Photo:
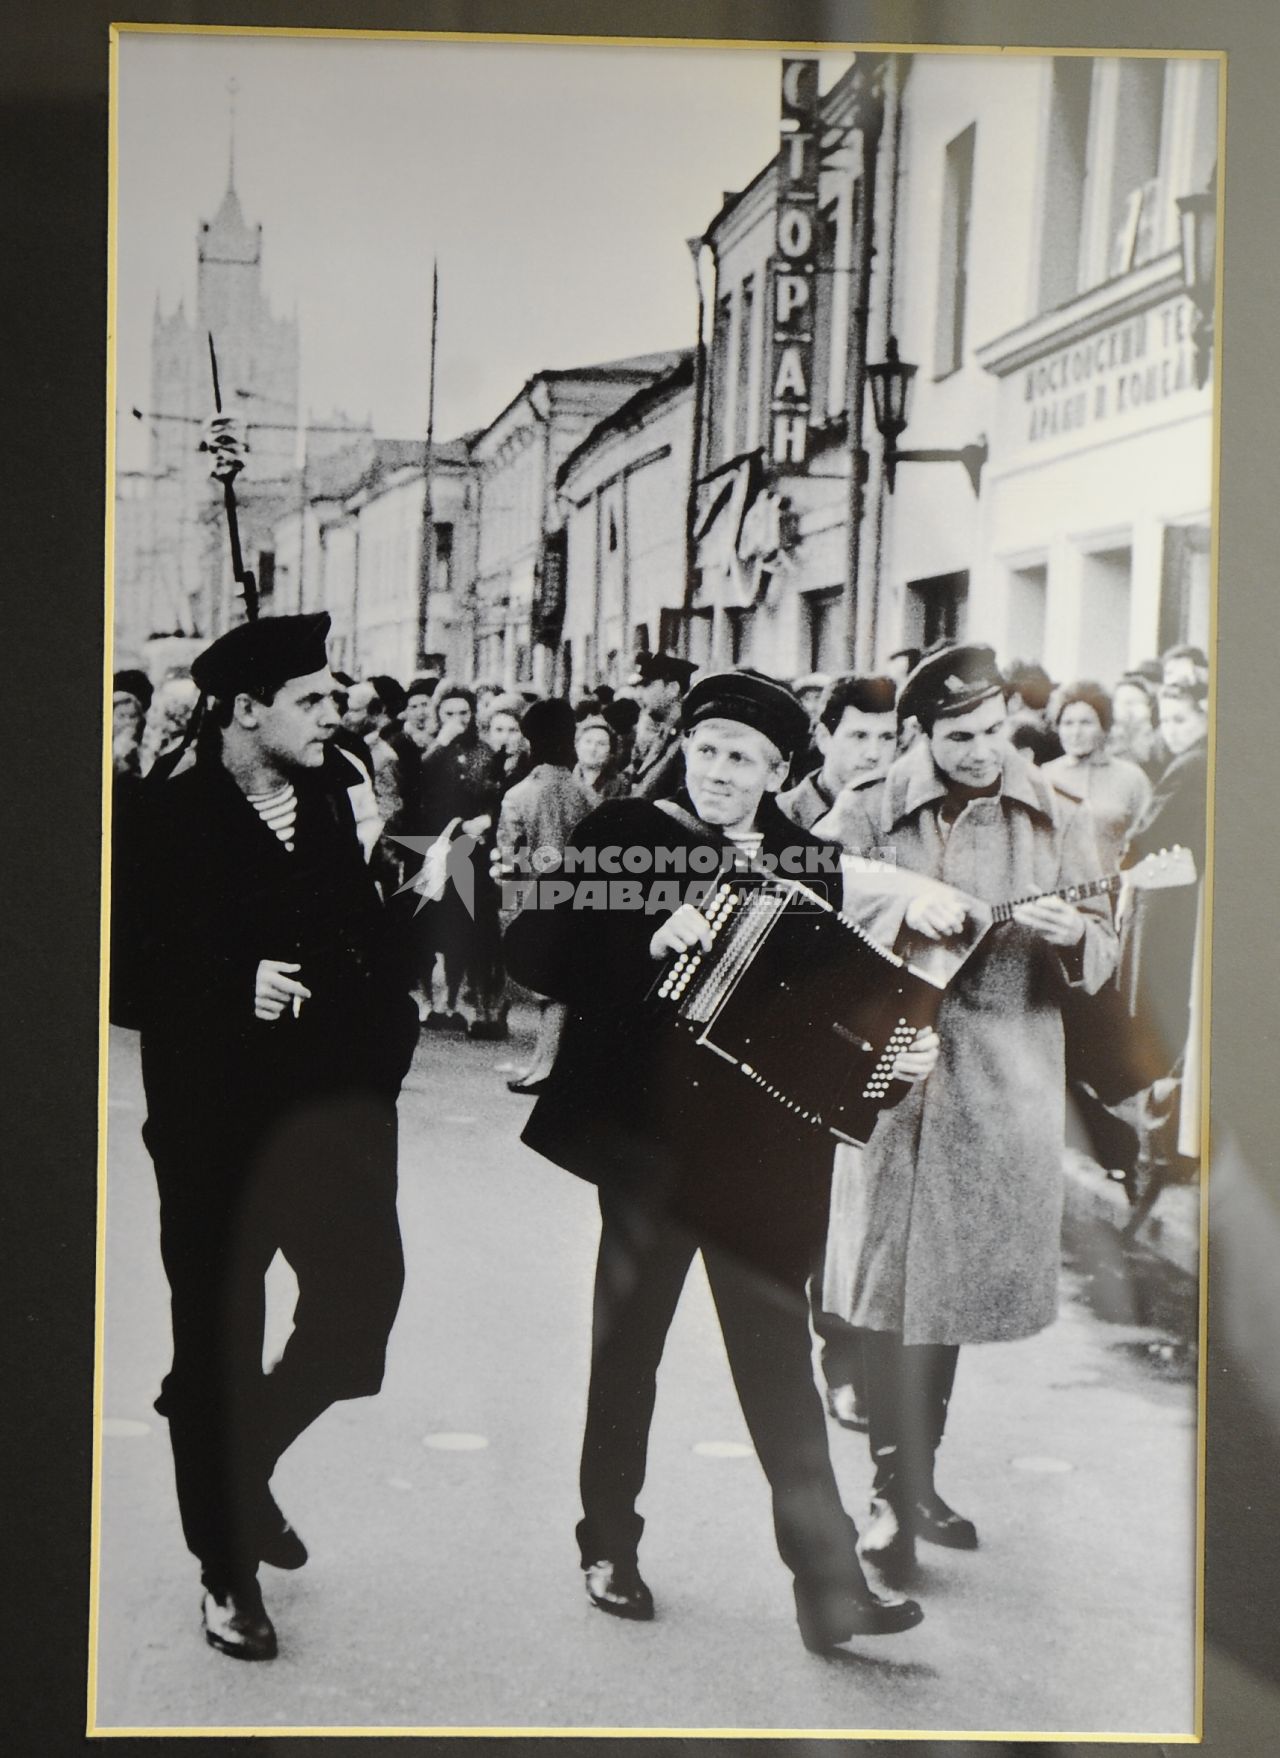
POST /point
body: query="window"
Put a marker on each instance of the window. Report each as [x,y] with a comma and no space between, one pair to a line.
[953,255]
[742,382]
[1184,587]
[670,627]
[824,630]
[1070,103]
[1103,646]
[442,577]
[1134,209]
[719,395]
[1028,597]
[935,609]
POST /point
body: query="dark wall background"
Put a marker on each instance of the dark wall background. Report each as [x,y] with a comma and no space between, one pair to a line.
[53,187]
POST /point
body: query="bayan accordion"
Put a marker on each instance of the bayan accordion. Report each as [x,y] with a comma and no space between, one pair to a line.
[801,1001]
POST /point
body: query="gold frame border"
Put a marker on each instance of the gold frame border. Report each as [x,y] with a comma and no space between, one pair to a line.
[767,45]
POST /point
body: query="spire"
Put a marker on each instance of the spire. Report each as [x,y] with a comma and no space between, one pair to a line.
[232,89]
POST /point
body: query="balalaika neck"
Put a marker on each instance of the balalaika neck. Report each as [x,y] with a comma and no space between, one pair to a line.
[1003,912]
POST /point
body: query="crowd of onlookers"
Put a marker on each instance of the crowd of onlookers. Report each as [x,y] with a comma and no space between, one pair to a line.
[514,772]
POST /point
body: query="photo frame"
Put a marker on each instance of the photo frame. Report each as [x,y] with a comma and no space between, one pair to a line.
[1062,1730]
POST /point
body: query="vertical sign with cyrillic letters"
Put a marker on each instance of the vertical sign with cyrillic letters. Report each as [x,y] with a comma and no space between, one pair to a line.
[793,269]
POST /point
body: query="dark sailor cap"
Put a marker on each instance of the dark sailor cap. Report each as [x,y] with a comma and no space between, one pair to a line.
[260,656]
[662,668]
[951,681]
[753,699]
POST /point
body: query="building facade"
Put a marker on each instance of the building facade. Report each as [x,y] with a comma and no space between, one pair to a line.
[623,494]
[520,563]
[352,545]
[1016,220]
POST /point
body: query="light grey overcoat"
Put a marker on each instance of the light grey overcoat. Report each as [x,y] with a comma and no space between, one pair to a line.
[946,1226]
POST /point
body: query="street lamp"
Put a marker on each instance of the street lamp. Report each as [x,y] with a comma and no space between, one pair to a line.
[890,393]
[1198,234]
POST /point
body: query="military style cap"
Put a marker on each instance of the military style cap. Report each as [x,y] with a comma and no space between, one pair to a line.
[663,668]
[950,682]
[753,699]
[260,656]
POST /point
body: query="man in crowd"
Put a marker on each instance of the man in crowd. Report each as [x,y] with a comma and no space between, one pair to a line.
[661,680]
[1186,665]
[857,735]
[276,1030]
[856,732]
[947,1229]
[1028,728]
[368,717]
[689,1156]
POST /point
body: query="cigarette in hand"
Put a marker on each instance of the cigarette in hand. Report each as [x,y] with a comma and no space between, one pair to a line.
[297,1006]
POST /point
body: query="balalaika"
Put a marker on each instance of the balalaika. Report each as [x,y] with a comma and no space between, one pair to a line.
[802,1002]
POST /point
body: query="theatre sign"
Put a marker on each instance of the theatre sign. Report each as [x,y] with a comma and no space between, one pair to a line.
[1112,363]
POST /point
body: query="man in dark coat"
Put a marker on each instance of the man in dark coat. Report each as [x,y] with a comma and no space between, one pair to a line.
[689,1156]
[276,1028]
[662,679]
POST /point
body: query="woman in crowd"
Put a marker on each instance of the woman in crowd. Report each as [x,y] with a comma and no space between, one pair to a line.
[459,783]
[539,814]
[1133,732]
[417,721]
[168,718]
[1115,790]
[504,738]
[1163,940]
[595,745]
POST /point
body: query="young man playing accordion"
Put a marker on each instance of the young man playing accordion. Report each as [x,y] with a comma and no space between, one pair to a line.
[689,1156]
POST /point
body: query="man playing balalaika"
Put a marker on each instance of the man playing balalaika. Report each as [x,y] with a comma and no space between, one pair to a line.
[946,1229]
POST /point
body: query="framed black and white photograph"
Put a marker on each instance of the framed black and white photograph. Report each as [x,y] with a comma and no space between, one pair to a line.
[662,626]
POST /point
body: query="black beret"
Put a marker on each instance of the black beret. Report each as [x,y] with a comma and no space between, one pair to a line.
[753,699]
[663,668]
[134,683]
[258,657]
[951,681]
[549,717]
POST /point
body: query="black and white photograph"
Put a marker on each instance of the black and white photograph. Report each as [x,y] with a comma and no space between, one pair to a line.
[662,606]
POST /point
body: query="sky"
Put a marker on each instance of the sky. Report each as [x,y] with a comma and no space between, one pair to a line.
[554,184]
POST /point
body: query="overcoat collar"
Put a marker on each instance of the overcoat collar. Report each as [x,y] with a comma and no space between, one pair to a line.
[913,783]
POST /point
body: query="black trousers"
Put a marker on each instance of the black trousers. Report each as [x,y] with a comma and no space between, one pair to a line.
[642,1265]
[908,1391]
[320,1188]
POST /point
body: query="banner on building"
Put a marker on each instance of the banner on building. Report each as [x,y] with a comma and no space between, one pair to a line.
[793,296]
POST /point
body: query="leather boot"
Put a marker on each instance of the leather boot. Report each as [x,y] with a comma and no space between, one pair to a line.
[830,1612]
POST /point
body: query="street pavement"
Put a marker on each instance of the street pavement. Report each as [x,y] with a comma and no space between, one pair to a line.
[443,1590]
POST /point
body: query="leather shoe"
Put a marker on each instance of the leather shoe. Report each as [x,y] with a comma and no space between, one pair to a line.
[831,1614]
[236,1622]
[618,1589]
[280,1546]
[936,1523]
[845,1407]
[888,1540]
